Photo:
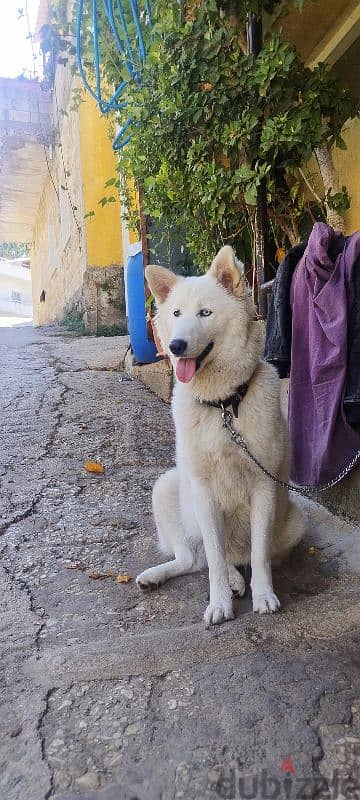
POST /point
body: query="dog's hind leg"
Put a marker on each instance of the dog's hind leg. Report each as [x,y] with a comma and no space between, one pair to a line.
[236,580]
[171,533]
[289,533]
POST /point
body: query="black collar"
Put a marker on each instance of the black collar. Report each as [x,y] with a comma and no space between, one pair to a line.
[234,400]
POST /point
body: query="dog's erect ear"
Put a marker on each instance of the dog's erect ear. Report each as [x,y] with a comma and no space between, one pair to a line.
[160,281]
[227,270]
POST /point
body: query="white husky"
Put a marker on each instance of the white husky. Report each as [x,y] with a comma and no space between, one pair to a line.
[216,502]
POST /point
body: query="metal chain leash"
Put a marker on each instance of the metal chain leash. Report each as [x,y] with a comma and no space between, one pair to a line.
[227,418]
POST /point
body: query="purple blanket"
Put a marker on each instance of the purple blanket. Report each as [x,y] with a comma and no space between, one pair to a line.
[321,296]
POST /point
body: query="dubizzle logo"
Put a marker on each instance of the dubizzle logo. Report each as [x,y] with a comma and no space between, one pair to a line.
[235,785]
[287,766]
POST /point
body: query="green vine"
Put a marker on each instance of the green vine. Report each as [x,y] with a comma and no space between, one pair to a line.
[115,303]
[210,122]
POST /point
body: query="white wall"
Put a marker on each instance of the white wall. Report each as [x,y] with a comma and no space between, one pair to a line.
[15,290]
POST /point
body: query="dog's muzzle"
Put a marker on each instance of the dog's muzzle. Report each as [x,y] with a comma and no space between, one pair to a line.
[178,347]
[187,367]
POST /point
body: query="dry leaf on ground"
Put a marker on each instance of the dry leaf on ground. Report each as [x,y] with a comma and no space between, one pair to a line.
[94,466]
[100,576]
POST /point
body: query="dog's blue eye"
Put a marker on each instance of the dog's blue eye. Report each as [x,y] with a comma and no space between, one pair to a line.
[177,312]
[205,312]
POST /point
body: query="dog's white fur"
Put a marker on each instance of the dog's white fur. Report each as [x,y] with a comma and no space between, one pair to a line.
[216,505]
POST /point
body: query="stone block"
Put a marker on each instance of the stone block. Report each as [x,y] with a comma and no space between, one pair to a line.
[104,298]
[344,498]
[157,377]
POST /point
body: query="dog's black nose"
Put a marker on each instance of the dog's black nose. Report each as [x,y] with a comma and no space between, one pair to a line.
[178,346]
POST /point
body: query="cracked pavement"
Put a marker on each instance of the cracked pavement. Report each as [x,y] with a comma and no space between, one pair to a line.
[109,694]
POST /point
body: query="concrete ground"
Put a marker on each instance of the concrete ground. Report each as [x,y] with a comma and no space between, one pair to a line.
[109,694]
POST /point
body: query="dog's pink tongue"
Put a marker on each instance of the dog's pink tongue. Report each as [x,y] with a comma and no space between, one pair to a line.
[185,369]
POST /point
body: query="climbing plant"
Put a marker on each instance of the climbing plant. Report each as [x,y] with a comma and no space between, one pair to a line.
[209,122]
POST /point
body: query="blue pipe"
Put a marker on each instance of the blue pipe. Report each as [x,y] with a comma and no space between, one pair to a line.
[125,48]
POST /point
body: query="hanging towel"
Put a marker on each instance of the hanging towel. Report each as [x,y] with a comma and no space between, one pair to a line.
[322,296]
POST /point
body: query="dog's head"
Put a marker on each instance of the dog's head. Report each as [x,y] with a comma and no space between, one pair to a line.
[200,319]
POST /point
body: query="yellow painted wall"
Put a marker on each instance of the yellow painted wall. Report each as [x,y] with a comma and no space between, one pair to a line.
[57,263]
[45,277]
[58,257]
[64,245]
[335,30]
[98,164]
[347,162]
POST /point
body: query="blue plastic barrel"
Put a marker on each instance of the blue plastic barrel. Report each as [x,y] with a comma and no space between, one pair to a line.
[143,349]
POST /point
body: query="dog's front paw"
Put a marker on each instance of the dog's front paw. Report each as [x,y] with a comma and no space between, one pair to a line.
[151,578]
[265,602]
[218,612]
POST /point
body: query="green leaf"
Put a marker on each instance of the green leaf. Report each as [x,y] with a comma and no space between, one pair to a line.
[340,143]
[340,201]
[210,122]
[250,196]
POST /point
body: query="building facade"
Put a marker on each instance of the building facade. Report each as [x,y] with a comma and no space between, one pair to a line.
[55,157]
[77,250]
[15,289]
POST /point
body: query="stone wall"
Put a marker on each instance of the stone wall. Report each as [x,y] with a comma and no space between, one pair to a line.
[25,111]
[58,258]
[77,263]
[25,133]
[343,499]
[104,298]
